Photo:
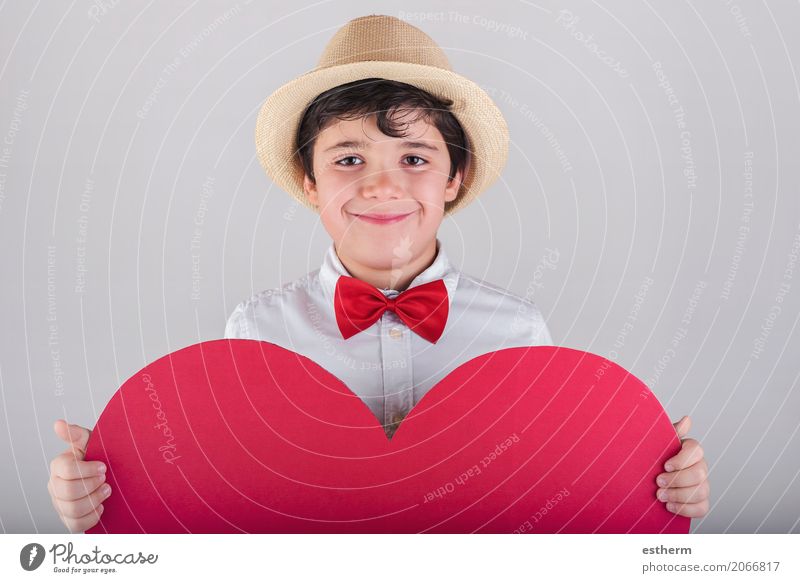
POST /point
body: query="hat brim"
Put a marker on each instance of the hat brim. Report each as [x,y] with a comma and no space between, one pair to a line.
[482,121]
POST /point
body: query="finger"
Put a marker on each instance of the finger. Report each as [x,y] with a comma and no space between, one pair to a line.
[682,426]
[691,452]
[691,476]
[689,495]
[75,434]
[690,510]
[84,523]
[74,453]
[73,489]
[68,467]
[83,506]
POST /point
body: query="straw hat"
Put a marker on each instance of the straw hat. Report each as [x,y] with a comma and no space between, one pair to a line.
[388,48]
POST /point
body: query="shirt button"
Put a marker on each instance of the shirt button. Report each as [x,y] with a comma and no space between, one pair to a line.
[396,333]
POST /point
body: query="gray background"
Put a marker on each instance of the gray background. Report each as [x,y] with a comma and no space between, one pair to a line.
[126,131]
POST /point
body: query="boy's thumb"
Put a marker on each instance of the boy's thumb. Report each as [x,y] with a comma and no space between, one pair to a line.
[683,425]
[74,434]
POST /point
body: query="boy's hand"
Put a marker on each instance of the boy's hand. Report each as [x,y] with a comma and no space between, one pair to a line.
[684,486]
[76,487]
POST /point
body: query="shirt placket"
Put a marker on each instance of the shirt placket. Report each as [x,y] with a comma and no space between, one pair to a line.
[398,386]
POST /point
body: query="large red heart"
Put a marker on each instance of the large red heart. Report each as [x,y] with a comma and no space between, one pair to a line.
[245,436]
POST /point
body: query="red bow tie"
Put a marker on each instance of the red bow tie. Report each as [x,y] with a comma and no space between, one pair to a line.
[423,308]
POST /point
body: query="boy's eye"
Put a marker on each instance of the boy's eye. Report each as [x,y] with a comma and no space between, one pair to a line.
[339,162]
[413,161]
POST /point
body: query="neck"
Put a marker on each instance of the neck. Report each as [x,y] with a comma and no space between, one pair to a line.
[396,278]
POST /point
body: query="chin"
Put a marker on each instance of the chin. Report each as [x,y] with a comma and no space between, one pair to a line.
[390,251]
[379,258]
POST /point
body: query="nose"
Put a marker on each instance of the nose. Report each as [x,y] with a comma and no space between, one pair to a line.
[381,185]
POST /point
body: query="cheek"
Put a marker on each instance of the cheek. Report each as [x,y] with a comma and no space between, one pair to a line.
[431,190]
[335,220]
[333,179]
[331,196]
[433,206]
[332,220]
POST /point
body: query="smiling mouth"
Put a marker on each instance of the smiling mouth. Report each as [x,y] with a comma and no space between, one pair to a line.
[382,219]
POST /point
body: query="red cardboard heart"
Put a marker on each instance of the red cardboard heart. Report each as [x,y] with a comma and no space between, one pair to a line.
[244,436]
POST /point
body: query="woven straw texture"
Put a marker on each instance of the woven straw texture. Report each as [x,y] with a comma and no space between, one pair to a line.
[389,48]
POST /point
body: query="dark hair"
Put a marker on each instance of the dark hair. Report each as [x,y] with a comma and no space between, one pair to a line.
[383,98]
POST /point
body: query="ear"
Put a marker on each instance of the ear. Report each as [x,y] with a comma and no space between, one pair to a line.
[453,186]
[310,189]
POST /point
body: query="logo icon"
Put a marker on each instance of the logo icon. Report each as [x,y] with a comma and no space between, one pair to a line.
[31,556]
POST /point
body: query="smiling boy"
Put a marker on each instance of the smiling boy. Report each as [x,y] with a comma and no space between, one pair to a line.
[382,199]
[383,140]
[382,161]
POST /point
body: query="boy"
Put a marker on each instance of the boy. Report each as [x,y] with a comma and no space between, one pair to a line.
[382,161]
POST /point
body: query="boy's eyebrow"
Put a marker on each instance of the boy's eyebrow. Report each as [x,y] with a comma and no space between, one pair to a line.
[363,145]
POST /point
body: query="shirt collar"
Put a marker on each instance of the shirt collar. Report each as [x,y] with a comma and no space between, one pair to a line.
[441,268]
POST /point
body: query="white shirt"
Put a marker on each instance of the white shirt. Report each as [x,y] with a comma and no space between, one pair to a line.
[387,365]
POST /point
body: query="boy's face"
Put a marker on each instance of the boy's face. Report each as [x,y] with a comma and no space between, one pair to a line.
[381,199]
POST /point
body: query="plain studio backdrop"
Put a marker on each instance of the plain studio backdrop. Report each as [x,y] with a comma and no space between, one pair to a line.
[649,206]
